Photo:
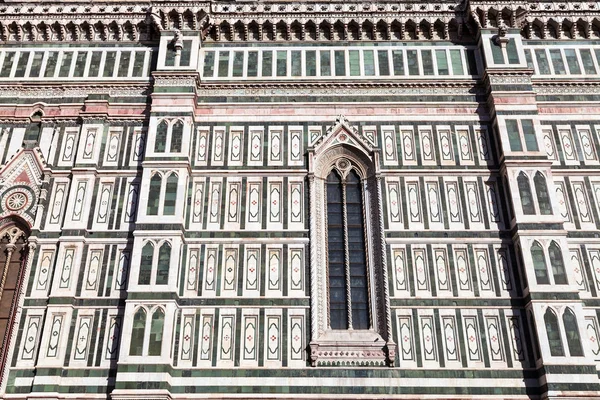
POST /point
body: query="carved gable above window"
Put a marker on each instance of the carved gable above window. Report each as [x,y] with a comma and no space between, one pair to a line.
[20,183]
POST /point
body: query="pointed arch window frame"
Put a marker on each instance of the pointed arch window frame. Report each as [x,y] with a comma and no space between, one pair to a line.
[156,266]
[159,206]
[146,329]
[167,139]
[327,346]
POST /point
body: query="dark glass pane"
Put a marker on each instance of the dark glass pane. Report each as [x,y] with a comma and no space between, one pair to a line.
[471,63]
[170,195]
[253,63]
[572,331]
[238,64]
[427,60]
[95,64]
[412,62]
[164,259]
[146,264]
[311,63]
[22,64]
[384,62]
[369,63]
[51,63]
[80,64]
[109,64]
[9,59]
[572,62]
[354,61]
[282,63]
[442,62]
[154,195]
[325,63]
[525,194]
[36,65]
[553,332]
[457,65]
[161,137]
[358,265]
[296,63]
[542,62]
[156,333]
[539,264]
[335,241]
[223,64]
[138,64]
[514,138]
[529,59]
[340,63]
[497,54]
[557,264]
[542,194]
[588,62]
[123,70]
[176,137]
[209,64]
[267,63]
[511,52]
[137,333]
[186,53]
[529,135]
[557,62]
[170,56]
[398,61]
[65,65]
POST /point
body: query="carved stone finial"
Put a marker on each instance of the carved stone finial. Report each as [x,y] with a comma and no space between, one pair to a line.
[500,39]
[176,41]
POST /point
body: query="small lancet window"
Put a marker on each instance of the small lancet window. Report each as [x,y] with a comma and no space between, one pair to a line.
[136,346]
[176,137]
[539,264]
[154,194]
[525,194]
[542,194]
[553,332]
[164,259]
[146,264]
[347,260]
[572,331]
[161,137]
[557,264]
[170,195]
[156,333]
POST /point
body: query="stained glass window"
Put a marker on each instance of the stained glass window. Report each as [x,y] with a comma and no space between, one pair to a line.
[525,194]
[136,346]
[539,264]
[156,333]
[553,332]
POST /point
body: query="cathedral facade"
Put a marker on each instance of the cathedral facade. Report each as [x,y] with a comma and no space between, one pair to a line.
[299,199]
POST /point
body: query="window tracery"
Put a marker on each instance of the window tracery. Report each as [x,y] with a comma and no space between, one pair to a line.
[351,322]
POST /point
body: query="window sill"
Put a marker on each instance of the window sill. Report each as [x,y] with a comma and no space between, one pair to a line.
[351,348]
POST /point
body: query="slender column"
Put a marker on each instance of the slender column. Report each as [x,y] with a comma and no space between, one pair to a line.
[346,257]
[10,248]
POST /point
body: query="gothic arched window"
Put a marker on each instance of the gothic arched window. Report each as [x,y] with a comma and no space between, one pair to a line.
[161,137]
[553,332]
[525,194]
[176,137]
[154,194]
[572,332]
[136,347]
[347,260]
[349,282]
[557,264]
[170,195]
[146,264]
[156,332]
[539,264]
[164,259]
[542,194]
